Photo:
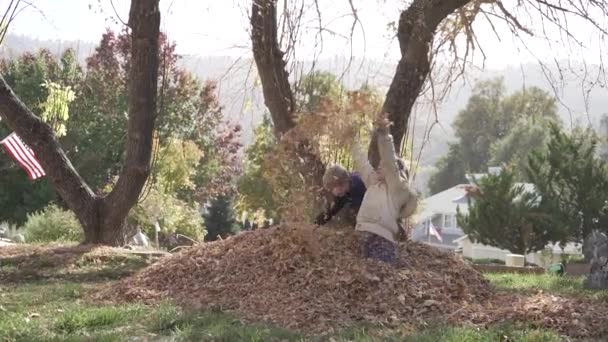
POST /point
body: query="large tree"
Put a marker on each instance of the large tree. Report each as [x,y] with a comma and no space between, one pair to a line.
[278,95]
[491,128]
[187,110]
[102,217]
[425,29]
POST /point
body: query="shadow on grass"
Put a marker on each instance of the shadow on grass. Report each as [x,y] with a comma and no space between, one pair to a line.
[181,325]
[72,264]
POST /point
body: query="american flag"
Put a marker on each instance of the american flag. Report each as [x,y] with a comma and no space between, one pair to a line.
[23,156]
[433,231]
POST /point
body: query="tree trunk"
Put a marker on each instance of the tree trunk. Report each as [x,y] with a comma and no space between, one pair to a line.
[144,21]
[416,31]
[102,218]
[278,95]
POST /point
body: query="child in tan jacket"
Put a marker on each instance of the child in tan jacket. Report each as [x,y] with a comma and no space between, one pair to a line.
[388,198]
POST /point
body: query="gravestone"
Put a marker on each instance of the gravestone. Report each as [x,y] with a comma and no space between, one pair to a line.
[595,249]
[140,239]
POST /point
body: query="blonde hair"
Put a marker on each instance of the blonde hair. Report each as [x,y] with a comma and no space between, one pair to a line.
[334,175]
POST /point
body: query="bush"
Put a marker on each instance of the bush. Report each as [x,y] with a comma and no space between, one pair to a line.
[52,224]
[174,215]
[509,215]
[219,219]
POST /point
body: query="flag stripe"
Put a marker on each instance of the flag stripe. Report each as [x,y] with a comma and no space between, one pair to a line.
[10,149]
[13,154]
[435,232]
[26,155]
[31,156]
[19,155]
[23,155]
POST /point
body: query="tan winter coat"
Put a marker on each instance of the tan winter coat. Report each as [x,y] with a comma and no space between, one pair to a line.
[385,201]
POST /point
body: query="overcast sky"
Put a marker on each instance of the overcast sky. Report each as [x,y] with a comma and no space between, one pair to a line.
[220,27]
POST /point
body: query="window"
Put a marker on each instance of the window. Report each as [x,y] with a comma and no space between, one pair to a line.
[449,221]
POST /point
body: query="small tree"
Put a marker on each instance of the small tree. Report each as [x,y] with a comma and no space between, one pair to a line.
[508,216]
[254,191]
[572,181]
[220,219]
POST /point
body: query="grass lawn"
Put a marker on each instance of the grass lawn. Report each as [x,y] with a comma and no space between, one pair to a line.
[526,283]
[43,298]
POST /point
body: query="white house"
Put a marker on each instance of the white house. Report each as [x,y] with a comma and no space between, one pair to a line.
[440,210]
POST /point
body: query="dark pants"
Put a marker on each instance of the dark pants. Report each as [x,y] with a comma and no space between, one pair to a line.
[378,248]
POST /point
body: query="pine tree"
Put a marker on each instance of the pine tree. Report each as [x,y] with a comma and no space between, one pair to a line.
[508,216]
[572,181]
[220,219]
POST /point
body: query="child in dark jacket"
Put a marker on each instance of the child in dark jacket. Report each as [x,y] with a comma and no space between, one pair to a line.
[347,189]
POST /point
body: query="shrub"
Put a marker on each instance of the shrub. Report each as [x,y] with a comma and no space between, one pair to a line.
[52,224]
[174,215]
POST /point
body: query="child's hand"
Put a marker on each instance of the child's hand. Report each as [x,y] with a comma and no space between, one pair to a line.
[381,122]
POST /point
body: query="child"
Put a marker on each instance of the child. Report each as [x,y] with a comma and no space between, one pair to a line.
[387,201]
[347,188]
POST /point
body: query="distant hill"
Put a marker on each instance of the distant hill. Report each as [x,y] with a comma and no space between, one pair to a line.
[16,45]
[240,94]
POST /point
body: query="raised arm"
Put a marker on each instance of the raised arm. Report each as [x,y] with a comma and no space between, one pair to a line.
[388,158]
[361,163]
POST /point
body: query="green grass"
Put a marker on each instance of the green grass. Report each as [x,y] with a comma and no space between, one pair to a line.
[59,312]
[439,332]
[526,283]
[169,320]
[48,301]
[503,333]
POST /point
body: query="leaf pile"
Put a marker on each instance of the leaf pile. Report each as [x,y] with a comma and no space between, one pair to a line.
[574,317]
[309,279]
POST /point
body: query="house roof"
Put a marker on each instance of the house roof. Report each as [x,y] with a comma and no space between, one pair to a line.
[448,200]
[444,202]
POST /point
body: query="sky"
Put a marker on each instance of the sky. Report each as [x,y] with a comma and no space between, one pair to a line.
[220,27]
